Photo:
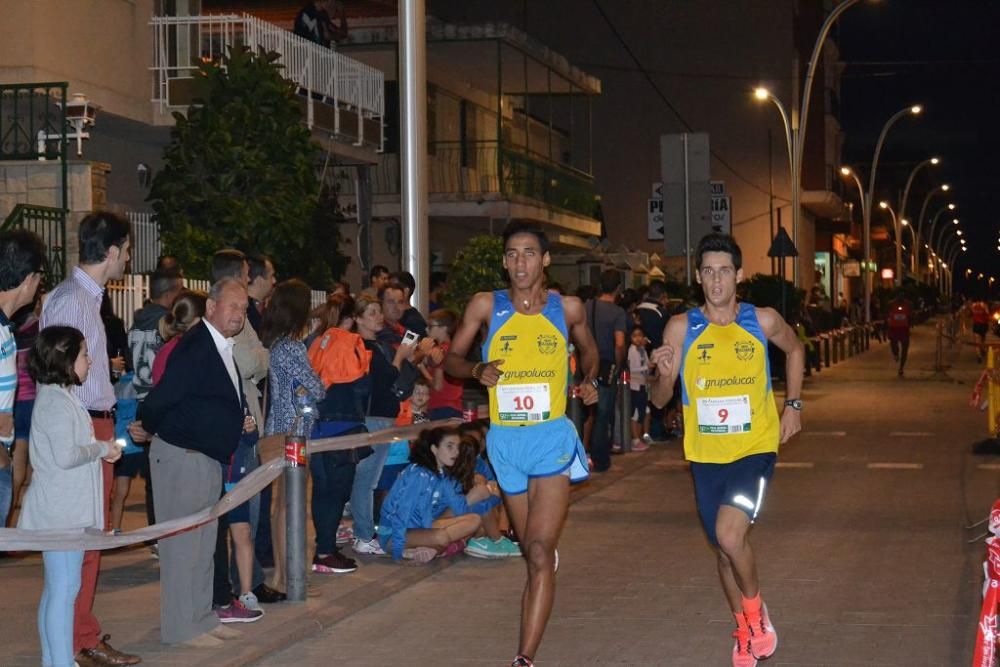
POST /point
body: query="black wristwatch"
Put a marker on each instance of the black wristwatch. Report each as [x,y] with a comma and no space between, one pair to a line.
[794,403]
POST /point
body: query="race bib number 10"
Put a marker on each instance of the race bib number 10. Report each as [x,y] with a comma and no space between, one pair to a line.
[724,416]
[523,402]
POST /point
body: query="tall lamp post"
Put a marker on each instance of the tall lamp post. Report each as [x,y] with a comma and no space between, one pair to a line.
[930,233]
[944,234]
[923,207]
[934,161]
[866,222]
[884,205]
[795,132]
[913,248]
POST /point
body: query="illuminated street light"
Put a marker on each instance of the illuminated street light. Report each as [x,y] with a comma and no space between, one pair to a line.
[897,228]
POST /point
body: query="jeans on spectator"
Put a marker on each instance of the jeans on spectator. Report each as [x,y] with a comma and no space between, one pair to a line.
[332,480]
[600,436]
[366,479]
[263,545]
[55,609]
[6,490]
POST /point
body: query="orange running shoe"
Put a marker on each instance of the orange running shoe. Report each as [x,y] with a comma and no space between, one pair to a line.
[742,657]
[763,639]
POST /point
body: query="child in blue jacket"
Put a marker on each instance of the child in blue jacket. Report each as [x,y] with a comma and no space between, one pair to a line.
[412,526]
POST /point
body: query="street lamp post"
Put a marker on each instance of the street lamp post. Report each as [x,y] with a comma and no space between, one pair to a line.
[913,249]
[930,233]
[866,224]
[914,110]
[934,161]
[795,132]
[944,233]
[884,205]
[923,207]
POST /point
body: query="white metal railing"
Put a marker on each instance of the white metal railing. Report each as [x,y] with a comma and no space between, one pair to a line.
[181,43]
[146,248]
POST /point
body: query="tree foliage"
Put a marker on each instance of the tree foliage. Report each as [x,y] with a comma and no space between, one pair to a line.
[768,291]
[240,171]
[478,267]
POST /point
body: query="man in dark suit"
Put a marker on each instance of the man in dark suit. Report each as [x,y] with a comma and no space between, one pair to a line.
[197,414]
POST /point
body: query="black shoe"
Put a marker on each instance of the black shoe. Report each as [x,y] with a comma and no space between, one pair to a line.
[267,595]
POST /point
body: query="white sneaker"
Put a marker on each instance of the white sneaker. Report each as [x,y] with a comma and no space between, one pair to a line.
[368,548]
[249,600]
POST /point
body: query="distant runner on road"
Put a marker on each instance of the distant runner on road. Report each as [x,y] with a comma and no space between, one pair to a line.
[533,447]
[732,430]
[898,323]
[980,325]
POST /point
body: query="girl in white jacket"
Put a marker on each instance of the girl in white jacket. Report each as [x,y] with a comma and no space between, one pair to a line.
[66,488]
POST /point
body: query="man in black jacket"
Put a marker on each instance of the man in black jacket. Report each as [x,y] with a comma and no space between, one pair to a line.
[197,414]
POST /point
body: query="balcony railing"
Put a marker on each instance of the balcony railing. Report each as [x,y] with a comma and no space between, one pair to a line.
[472,170]
[27,109]
[182,43]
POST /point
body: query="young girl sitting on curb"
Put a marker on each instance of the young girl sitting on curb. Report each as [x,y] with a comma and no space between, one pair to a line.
[66,489]
[412,525]
[471,470]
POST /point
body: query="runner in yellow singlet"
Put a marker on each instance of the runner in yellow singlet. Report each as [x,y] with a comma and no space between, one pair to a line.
[533,447]
[731,425]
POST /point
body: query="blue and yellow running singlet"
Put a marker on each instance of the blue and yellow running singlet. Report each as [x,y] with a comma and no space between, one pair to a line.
[535,370]
[729,410]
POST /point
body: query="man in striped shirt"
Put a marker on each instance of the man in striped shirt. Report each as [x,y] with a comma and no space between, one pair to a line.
[76,302]
[22,259]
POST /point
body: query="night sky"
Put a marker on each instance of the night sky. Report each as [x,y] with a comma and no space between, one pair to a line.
[942,55]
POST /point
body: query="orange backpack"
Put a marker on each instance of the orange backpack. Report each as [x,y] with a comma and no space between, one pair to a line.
[339,357]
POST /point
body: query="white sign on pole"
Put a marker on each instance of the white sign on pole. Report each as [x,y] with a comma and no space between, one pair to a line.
[722,207]
[654,219]
[657,191]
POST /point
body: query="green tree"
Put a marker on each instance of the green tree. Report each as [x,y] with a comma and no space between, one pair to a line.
[478,267]
[769,291]
[240,171]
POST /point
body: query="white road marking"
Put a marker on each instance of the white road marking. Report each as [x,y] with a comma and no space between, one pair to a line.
[825,434]
[911,434]
[794,464]
[895,466]
[989,466]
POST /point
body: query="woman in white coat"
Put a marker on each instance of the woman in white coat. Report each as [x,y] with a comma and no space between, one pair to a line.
[66,488]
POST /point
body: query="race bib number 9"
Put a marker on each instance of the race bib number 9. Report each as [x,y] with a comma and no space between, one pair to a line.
[724,416]
[523,402]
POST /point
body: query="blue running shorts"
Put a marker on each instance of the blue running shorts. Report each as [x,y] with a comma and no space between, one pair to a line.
[519,453]
[741,484]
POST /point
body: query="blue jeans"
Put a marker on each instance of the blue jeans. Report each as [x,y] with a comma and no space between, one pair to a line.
[600,436]
[55,610]
[366,478]
[6,489]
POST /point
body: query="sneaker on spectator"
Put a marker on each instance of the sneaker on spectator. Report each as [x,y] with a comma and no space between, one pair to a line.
[335,563]
[764,639]
[456,547]
[368,548]
[154,551]
[522,661]
[647,438]
[249,600]
[347,509]
[345,534]
[484,547]
[616,448]
[235,612]
[639,445]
